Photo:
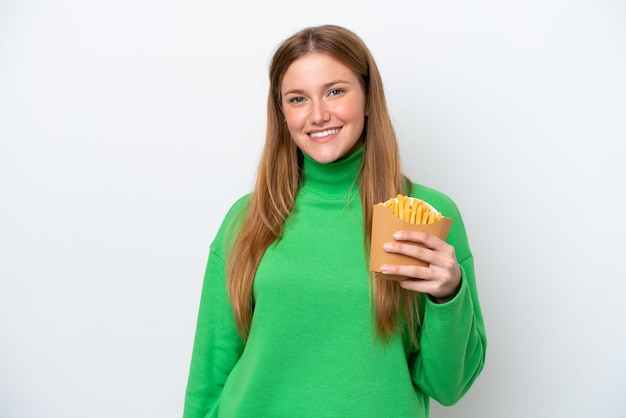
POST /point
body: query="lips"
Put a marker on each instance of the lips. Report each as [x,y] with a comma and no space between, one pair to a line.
[323,134]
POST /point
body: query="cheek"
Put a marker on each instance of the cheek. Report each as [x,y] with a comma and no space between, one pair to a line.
[353,111]
[294,119]
[289,123]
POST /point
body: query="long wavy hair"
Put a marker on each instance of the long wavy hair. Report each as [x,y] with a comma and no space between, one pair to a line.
[280,174]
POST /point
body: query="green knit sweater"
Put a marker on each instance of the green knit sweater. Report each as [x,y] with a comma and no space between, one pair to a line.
[312,349]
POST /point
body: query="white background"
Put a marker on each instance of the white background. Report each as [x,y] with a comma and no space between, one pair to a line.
[127,128]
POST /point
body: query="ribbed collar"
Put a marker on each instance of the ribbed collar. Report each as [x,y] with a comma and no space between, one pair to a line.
[332,180]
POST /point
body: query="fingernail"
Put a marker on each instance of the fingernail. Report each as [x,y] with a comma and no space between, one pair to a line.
[387,246]
[397,235]
[384,268]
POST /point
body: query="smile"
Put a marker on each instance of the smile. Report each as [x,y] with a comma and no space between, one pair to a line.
[324,133]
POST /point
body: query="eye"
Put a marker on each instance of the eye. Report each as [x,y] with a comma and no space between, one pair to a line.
[335,92]
[296,100]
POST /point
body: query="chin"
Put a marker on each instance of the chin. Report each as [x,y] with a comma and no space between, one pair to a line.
[328,153]
[325,158]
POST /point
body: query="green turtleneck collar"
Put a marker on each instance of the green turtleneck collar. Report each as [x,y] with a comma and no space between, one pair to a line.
[334,180]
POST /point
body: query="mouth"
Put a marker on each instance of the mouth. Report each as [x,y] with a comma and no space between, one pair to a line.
[324,134]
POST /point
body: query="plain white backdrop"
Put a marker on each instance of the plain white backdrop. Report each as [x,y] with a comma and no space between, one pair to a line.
[127,128]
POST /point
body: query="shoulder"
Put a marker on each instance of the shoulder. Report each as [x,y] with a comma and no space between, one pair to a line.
[238,206]
[439,200]
[448,208]
[231,221]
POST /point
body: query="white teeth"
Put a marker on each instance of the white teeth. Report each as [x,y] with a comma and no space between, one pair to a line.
[324,133]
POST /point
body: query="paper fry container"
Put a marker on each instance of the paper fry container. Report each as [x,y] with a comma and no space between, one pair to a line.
[384,225]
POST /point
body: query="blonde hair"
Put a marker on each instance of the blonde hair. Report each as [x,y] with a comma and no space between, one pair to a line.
[279,176]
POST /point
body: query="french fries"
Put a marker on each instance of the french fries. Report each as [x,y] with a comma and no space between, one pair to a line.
[412,210]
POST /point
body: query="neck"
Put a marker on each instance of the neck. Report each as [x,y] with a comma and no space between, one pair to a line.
[338,179]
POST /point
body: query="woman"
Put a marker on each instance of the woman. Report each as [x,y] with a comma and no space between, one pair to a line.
[291,323]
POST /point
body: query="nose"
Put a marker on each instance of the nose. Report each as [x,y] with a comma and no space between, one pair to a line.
[319,112]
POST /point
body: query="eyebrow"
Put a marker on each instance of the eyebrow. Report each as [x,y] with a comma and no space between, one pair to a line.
[325,86]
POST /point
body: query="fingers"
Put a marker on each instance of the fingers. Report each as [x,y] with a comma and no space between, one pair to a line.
[430,247]
[435,282]
[417,285]
[440,284]
[419,251]
[441,276]
[410,271]
[415,251]
[441,294]
[424,238]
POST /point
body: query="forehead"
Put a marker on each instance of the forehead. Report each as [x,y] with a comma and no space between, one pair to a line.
[316,68]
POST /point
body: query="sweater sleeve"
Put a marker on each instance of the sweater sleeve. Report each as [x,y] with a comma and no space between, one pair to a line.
[452,339]
[217,344]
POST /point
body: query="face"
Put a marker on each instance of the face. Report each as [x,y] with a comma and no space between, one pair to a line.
[324,107]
